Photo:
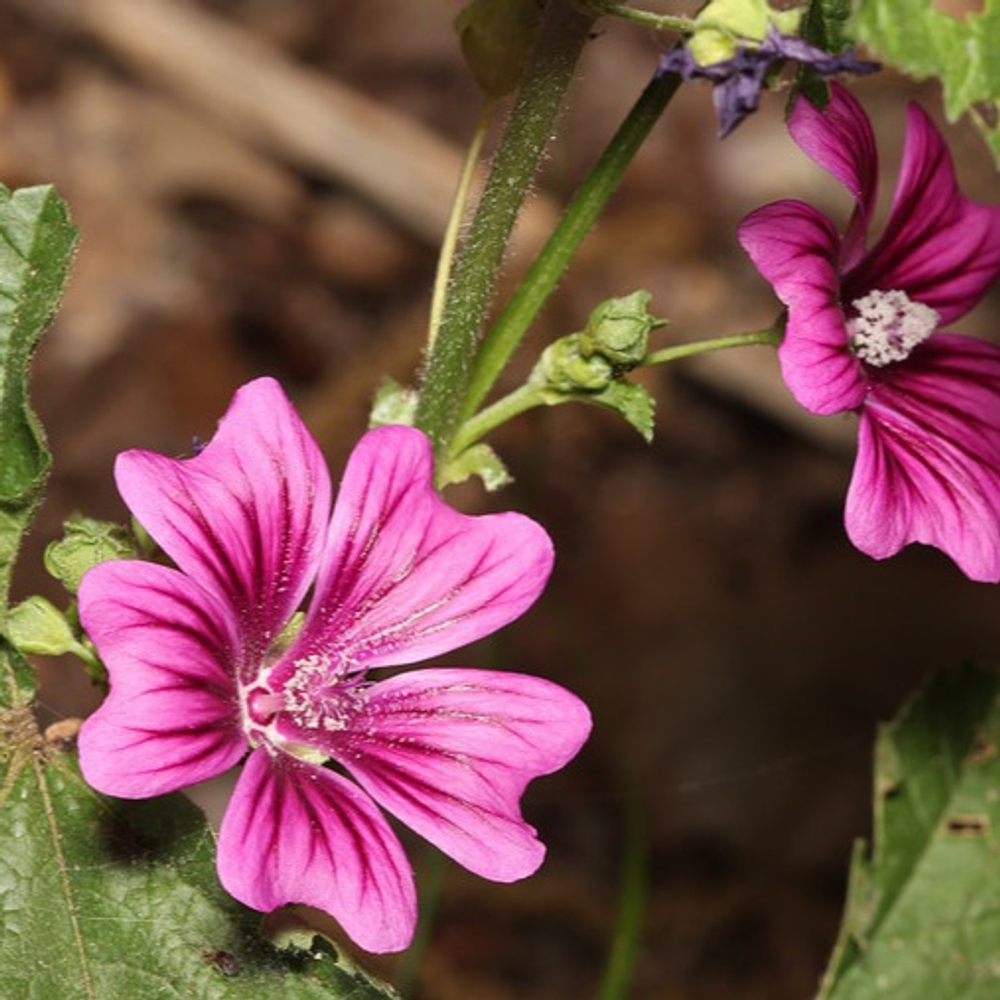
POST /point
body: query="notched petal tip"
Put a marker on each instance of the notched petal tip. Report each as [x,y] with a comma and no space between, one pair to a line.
[450,751]
[405,576]
[297,833]
[171,718]
[928,465]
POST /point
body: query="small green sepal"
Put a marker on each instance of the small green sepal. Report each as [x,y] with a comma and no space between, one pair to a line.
[479,460]
[393,404]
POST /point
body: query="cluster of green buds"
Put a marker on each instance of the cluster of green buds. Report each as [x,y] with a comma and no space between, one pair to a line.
[588,366]
[36,626]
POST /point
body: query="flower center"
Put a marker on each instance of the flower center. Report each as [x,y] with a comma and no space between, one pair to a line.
[318,696]
[888,325]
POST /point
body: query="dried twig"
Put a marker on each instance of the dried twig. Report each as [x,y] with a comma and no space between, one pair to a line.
[294,112]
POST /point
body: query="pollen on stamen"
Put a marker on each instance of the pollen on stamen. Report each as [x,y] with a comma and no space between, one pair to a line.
[318,697]
[887,326]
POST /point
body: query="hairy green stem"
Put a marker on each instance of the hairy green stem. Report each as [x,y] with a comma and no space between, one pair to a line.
[458,209]
[563,32]
[663,22]
[579,217]
[669,354]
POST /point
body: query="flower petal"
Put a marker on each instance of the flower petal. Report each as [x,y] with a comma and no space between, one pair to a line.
[928,465]
[297,833]
[794,246]
[450,751]
[172,717]
[938,246]
[246,517]
[404,575]
[840,139]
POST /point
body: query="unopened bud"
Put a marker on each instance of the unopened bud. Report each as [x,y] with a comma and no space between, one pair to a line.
[618,330]
[565,367]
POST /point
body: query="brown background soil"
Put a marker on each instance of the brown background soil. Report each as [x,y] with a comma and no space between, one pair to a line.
[735,650]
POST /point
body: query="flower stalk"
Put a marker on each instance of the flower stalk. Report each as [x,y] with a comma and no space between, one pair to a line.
[577,220]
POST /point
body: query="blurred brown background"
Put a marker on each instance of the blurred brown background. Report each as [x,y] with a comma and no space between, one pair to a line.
[262,195]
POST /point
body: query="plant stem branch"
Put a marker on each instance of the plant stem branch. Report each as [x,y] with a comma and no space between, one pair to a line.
[669,354]
[579,217]
[525,397]
[458,210]
[663,22]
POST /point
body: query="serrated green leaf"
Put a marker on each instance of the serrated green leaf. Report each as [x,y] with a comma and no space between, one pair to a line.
[962,52]
[36,245]
[922,920]
[630,401]
[103,899]
[17,681]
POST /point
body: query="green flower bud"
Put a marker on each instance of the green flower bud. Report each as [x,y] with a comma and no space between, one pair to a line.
[86,543]
[722,25]
[35,626]
[564,367]
[618,330]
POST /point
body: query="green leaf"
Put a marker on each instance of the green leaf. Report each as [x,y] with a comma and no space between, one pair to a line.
[36,245]
[104,899]
[923,908]
[479,460]
[393,404]
[962,52]
[628,400]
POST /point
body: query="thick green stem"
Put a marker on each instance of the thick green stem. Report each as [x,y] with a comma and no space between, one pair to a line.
[563,33]
[458,208]
[579,217]
[669,354]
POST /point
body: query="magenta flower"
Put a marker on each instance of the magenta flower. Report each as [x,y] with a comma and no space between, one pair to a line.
[200,671]
[864,334]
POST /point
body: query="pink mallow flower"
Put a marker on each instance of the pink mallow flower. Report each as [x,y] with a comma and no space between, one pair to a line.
[864,333]
[201,673]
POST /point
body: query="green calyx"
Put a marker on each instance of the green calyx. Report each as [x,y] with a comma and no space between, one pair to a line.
[85,543]
[614,341]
